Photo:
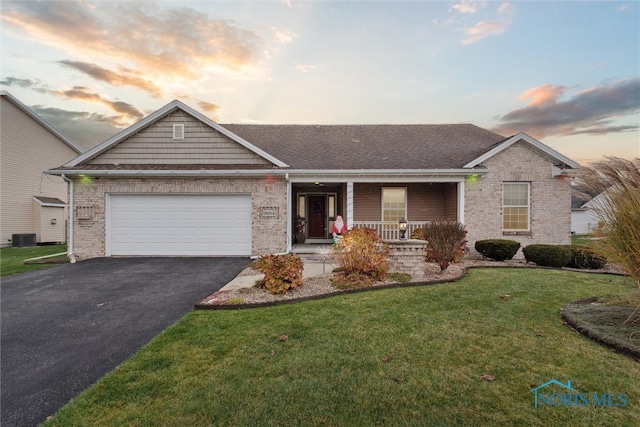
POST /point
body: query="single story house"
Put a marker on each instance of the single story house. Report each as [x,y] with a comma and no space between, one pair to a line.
[32,205]
[177,183]
[584,219]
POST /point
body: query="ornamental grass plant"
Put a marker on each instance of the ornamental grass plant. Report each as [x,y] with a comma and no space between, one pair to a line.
[617,206]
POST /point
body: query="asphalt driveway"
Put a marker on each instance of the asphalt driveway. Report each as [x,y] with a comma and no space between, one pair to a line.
[65,327]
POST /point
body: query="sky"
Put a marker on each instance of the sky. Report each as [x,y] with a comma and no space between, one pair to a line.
[564,72]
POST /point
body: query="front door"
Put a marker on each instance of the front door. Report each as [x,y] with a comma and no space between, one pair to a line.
[317,216]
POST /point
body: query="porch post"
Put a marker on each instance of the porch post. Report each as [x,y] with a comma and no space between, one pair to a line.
[461,202]
[350,205]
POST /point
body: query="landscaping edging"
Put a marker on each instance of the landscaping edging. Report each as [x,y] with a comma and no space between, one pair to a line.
[224,304]
[202,306]
[618,346]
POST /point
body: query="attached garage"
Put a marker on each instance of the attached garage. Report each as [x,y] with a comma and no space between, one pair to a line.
[178,224]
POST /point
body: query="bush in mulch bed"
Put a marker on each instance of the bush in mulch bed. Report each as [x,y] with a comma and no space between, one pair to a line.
[604,324]
[583,257]
[547,255]
[497,249]
[281,272]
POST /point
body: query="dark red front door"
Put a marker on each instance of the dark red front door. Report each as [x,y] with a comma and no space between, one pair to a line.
[317,217]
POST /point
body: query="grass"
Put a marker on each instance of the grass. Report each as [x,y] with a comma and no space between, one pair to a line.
[582,239]
[407,356]
[605,323]
[12,259]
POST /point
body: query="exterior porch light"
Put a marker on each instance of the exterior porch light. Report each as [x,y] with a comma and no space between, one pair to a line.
[403,229]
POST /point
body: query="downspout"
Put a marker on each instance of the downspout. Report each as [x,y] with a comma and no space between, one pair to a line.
[289,216]
[72,257]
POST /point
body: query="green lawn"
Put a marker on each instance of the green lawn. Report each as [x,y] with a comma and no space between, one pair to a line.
[411,356]
[12,259]
[582,239]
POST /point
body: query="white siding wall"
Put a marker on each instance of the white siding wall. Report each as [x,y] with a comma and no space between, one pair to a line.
[584,221]
[44,229]
[26,149]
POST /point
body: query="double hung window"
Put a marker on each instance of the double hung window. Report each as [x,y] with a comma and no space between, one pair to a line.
[515,206]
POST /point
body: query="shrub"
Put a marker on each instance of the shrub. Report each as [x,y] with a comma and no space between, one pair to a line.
[400,277]
[361,251]
[497,249]
[353,280]
[583,257]
[547,255]
[281,272]
[446,242]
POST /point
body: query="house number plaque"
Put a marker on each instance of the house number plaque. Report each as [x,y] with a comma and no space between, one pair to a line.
[269,212]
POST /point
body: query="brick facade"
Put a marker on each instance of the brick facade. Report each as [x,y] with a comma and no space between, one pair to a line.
[550,199]
[268,234]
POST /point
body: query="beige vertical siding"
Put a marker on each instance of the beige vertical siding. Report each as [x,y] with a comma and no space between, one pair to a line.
[425,201]
[26,149]
[201,145]
[451,202]
[366,202]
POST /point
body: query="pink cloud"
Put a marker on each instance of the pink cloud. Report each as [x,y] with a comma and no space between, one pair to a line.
[543,94]
[483,29]
[589,112]
[179,42]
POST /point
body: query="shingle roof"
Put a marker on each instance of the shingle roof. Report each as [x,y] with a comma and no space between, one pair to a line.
[370,146]
[49,201]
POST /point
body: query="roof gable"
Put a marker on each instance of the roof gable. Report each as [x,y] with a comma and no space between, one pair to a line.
[556,157]
[179,139]
[150,141]
[26,110]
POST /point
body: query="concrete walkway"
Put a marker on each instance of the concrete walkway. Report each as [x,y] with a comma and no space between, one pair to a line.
[313,266]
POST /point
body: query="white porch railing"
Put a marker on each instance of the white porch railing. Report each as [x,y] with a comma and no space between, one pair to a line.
[389,230]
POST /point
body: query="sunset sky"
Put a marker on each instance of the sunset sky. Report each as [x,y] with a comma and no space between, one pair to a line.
[565,72]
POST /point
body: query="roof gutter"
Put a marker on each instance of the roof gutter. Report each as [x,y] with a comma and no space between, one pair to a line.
[293,174]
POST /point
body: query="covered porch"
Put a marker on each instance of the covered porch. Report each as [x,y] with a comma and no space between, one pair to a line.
[379,204]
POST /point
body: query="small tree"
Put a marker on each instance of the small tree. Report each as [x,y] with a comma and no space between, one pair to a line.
[446,242]
[617,181]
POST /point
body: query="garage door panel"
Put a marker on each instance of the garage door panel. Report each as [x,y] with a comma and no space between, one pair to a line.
[180,225]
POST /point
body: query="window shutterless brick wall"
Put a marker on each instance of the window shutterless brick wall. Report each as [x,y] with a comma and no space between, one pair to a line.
[268,231]
[550,218]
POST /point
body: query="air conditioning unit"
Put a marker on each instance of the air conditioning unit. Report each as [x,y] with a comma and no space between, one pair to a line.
[23,240]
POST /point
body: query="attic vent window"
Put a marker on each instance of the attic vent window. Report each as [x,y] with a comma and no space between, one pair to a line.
[178,131]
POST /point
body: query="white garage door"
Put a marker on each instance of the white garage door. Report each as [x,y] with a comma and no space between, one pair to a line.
[178,224]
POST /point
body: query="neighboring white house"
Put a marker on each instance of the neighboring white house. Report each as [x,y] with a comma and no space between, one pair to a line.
[583,219]
[31,202]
